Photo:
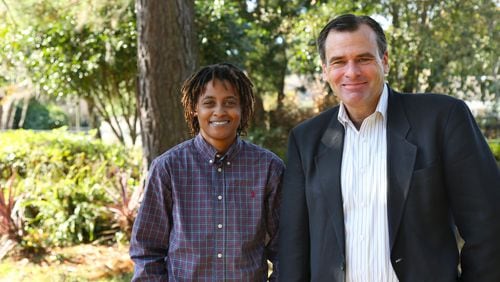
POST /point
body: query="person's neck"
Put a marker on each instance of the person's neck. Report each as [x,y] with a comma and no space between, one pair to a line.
[357,121]
[358,115]
[222,147]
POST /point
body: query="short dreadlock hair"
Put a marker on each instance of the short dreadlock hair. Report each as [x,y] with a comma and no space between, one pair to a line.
[195,86]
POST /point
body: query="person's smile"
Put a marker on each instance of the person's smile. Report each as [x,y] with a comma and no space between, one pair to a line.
[217,123]
[354,85]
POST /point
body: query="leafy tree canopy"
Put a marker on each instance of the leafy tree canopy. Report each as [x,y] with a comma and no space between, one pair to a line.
[88,48]
[79,48]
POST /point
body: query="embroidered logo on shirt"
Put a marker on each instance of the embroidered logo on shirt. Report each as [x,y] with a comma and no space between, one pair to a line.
[252,194]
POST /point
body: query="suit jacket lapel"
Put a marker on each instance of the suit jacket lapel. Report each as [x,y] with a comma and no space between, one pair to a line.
[401,156]
[328,162]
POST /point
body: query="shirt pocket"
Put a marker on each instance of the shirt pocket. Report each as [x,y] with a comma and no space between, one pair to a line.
[245,202]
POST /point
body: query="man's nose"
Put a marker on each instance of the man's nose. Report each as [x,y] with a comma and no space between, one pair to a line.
[352,69]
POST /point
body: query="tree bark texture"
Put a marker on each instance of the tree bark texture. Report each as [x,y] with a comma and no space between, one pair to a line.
[166,57]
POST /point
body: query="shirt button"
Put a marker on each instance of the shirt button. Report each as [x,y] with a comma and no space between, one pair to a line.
[211,161]
[219,226]
[219,169]
[228,163]
[219,197]
[219,255]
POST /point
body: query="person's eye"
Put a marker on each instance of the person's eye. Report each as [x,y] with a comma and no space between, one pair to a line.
[338,63]
[208,103]
[231,103]
[364,60]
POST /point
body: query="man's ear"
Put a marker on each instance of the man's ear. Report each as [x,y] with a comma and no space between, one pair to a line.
[323,72]
[385,62]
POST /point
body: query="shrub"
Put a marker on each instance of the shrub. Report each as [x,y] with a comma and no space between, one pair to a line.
[69,181]
[495,148]
[41,116]
[275,138]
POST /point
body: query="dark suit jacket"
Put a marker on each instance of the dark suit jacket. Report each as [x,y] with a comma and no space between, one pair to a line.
[441,174]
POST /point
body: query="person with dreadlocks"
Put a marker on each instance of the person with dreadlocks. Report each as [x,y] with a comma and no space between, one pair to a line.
[211,205]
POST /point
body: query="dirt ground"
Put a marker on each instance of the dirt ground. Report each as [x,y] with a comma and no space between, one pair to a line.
[78,263]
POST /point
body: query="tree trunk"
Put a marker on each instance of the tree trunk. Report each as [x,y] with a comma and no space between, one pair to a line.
[259,118]
[94,119]
[166,56]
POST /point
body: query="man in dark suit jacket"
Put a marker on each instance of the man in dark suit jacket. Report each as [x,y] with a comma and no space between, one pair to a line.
[438,177]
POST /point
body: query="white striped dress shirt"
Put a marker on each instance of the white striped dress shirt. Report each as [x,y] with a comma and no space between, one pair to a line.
[364,193]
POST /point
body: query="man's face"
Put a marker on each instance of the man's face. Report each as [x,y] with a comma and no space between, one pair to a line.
[219,114]
[354,69]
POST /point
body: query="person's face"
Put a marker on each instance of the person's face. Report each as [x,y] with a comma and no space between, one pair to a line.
[219,114]
[354,69]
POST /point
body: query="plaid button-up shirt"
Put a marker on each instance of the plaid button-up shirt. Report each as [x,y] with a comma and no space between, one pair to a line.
[206,217]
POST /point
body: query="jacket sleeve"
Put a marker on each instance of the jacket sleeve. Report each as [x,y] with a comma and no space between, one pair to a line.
[150,235]
[294,220]
[473,181]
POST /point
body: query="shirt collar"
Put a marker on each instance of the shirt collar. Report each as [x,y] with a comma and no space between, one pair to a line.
[209,153]
[381,108]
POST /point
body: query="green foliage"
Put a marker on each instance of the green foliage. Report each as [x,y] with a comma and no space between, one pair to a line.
[87,50]
[41,116]
[444,46]
[85,59]
[276,138]
[269,39]
[251,34]
[272,139]
[67,181]
[495,148]
[304,30]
